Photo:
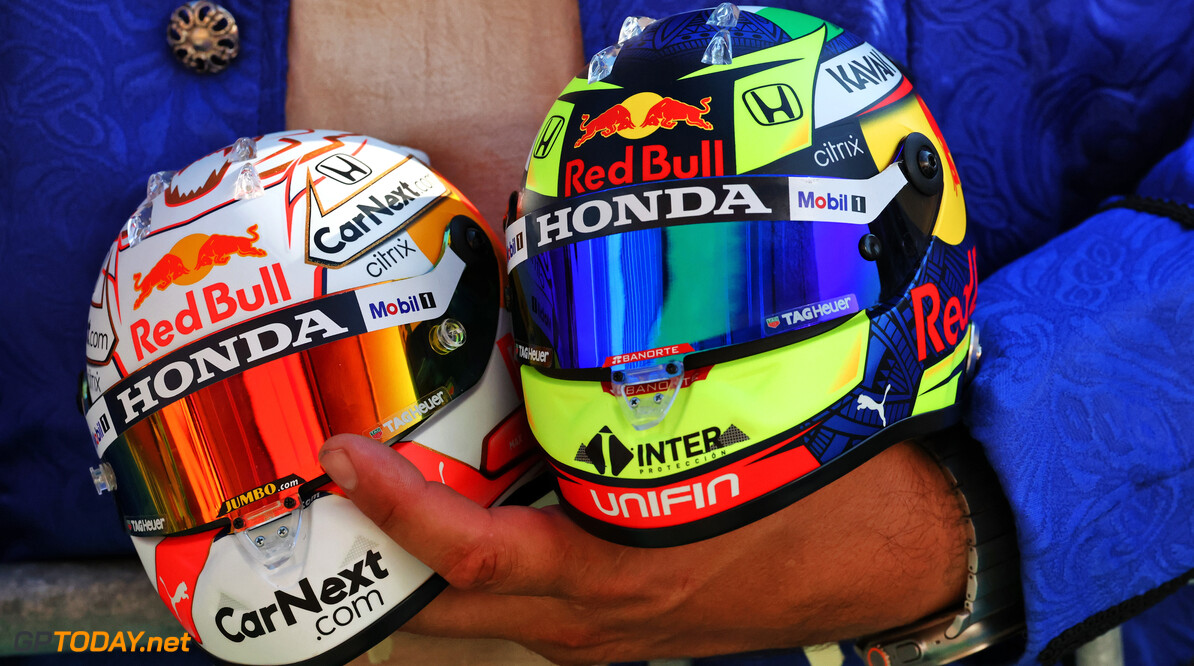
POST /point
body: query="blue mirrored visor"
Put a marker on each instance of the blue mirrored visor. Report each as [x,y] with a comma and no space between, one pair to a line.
[633,275]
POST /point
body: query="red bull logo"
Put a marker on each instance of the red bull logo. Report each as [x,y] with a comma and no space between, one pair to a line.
[655,111]
[220,301]
[192,258]
[954,316]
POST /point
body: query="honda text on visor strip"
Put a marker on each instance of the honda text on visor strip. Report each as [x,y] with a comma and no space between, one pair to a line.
[627,277]
[244,411]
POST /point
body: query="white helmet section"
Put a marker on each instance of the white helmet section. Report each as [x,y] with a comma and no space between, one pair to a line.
[851,81]
[457,428]
[325,199]
[352,575]
[343,573]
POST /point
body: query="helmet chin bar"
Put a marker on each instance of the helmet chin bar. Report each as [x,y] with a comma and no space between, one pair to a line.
[277,541]
[647,393]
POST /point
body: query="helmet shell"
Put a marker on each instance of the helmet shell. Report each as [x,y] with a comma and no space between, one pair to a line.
[672,195]
[269,295]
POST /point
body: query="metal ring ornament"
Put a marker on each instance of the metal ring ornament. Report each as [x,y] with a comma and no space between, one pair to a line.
[203,36]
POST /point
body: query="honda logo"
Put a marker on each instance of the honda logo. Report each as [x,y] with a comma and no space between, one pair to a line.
[773,104]
[344,169]
[547,138]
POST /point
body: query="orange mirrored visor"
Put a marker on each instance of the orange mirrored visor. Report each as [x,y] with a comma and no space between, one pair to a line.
[251,439]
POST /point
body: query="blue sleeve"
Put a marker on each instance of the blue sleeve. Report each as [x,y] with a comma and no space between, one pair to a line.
[93,103]
[1084,406]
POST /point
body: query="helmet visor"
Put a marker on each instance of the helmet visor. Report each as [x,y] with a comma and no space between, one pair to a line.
[720,262]
[242,424]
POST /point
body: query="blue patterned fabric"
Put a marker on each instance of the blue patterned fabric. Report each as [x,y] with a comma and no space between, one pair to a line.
[1082,402]
[93,102]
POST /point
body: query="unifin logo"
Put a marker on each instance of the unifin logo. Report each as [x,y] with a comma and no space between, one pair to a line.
[652,504]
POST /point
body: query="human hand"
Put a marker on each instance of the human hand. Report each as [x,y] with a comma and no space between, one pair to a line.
[880,547]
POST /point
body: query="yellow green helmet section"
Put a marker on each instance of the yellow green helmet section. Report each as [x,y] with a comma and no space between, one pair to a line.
[736,273]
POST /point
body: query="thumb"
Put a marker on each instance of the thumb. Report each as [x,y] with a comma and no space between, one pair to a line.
[506,550]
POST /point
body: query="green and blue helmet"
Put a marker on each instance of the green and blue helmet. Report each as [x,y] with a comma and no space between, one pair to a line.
[740,268]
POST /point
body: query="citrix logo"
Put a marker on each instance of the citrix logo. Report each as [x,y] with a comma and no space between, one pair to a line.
[333,590]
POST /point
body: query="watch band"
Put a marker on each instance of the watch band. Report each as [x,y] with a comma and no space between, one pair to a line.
[993,609]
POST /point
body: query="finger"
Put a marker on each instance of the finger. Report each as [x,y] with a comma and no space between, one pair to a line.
[505,550]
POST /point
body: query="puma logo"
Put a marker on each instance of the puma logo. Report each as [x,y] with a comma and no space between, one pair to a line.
[867,402]
[180,593]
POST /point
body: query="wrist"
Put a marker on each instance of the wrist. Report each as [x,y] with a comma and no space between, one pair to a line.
[991,609]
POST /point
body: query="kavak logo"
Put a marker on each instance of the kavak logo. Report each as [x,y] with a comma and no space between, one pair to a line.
[860,71]
[773,104]
[192,258]
[656,112]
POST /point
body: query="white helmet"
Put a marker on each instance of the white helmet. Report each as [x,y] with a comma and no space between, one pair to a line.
[268,296]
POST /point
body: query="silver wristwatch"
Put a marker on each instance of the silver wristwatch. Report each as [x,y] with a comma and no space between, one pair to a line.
[993,609]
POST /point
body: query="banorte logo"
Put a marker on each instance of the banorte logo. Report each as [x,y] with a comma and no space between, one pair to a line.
[655,111]
[192,258]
